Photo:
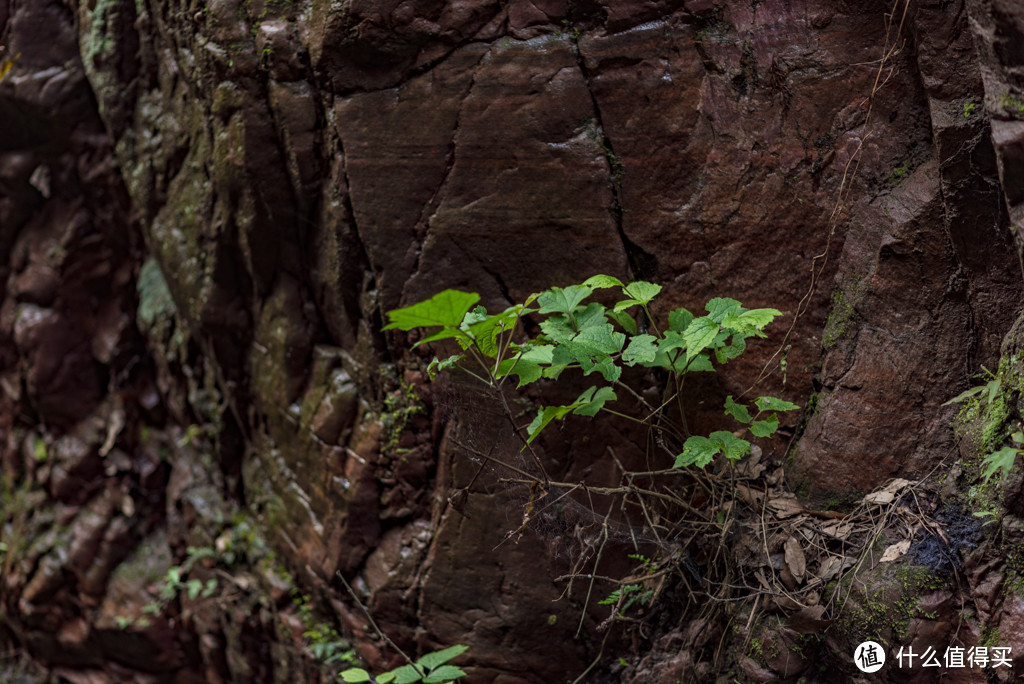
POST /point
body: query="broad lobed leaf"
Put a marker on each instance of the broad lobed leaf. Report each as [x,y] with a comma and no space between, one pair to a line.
[641,349]
[599,282]
[446,308]
[774,404]
[765,427]
[445,673]
[433,660]
[699,335]
[562,300]
[698,451]
[737,411]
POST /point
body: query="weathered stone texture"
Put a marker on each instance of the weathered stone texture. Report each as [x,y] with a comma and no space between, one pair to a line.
[295,169]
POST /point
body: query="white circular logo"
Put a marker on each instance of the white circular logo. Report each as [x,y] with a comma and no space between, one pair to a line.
[869,657]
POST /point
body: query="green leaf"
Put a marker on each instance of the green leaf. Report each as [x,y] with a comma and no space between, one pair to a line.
[545,416]
[641,349]
[737,411]
[993,389]
[386,678]
[528,364]
[590,316]
[446,309]
[445,673]
[773,404]
[446,333]
[641,292]
[436,366]
[679,319]
[193,587]
[732,446]
[1000,460]
[623,319]
[766,427]
[606,367]
[555,369]
[487,330]
[558,328]
[407,674]
[672,340]
[759,318]
[437,658]
[718,307]
[474,315]
[559,300]
[729,352]
[966,394]
[700,362]
[355,675]
[599,282]
[698,451]
[39,450]
[597,340]
[593,400]
[699,335]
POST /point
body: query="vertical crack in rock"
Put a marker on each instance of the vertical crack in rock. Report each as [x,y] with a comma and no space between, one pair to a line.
[352,301]
[422,227]
[640,262]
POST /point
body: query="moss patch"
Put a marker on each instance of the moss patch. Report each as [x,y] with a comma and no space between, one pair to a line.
[842,315]
[883,601]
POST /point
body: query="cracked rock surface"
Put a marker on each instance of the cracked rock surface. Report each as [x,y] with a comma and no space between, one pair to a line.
[206,208]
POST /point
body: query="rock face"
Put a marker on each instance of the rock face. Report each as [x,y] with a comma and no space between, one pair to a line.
[207,208]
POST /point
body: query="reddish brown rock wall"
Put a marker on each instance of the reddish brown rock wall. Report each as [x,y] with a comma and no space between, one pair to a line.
[296,169]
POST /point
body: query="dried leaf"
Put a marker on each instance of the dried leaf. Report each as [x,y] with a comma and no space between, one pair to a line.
[749,495]
[784,603]
[840,530]
[887,494]
[882,498]
[896,485]
[751,467]
[748,551]
[785,506]
[787,578]
[796,561]
[808,620]
[895,551]
[829,568]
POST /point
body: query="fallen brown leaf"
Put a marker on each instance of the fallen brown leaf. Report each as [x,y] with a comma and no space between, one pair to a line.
[895,551]
[796,561]
[809,620]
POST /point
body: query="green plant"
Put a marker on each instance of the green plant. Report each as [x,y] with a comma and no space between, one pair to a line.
[569,31]
[266,56]
[990,394]
[969,109]
[1013,105]
[39,451]
[175,583]
[399,406]
[429,669]
[597,339]
[899,172]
